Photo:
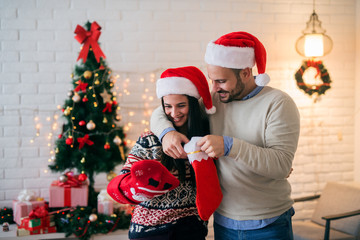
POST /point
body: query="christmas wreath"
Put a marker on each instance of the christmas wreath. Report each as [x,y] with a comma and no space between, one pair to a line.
[321,70]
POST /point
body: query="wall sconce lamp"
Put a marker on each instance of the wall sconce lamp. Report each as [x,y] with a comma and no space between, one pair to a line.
[312,44]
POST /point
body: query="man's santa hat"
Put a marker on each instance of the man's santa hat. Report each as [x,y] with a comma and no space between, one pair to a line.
[185,80]
[238,50]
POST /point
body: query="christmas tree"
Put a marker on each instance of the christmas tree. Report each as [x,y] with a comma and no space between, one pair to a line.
[90,142]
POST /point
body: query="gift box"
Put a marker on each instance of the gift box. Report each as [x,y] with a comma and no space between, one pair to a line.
[22,209]
[105,204]
[24,232]
[70,193]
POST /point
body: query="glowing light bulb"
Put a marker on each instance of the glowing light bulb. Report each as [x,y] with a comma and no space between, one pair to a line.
[314,45]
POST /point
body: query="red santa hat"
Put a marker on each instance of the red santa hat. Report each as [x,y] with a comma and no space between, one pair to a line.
[185,80]
[239,50]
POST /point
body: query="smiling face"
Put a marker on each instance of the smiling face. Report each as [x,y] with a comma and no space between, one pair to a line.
[176,107]
[228,85]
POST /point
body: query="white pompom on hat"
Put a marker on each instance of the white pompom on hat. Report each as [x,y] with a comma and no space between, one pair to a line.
[239,50]
[185,80]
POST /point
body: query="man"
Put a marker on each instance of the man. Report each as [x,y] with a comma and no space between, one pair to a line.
[255,133]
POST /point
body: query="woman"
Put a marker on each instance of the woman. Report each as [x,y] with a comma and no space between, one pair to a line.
[163,188]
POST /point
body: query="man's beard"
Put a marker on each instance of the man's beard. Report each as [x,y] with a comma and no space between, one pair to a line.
[234,94]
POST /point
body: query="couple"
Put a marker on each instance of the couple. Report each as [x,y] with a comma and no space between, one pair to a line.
[254,135]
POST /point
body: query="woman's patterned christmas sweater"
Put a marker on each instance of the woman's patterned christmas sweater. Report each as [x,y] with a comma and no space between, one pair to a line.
[160,214]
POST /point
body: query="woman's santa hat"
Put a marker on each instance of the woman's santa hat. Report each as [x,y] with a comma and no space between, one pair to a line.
[185,80]
[239,50]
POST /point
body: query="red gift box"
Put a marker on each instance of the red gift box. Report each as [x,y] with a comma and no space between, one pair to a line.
[71,193]
[23,208]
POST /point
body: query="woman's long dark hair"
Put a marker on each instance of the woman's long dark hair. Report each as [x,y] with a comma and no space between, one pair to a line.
[197,125]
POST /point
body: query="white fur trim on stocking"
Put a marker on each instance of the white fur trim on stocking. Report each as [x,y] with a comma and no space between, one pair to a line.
[194,152]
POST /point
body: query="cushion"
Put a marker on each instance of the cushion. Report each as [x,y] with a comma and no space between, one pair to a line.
[310,230]
[339,198]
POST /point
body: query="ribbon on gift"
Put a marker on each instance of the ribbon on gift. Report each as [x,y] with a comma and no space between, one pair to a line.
[38,212]
[26,196]
[89,39]
[71,182]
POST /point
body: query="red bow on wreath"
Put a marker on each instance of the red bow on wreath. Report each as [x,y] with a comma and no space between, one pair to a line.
[84,140]
[314,64]
[89,38]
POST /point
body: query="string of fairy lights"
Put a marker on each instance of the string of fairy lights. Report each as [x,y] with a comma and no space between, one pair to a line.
[136,97]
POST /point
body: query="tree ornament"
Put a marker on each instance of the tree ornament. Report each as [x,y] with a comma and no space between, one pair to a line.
[60,136]
[82,177]
[107,146]
[90,125]
[69,140]
[93,217]
[63,178]
[57,150]
[70,93]
[87,74]
[67,111]
[82,160]
[5,226]
[106,96]
[85,99]
[76,98]
[105,120]
[82,123]
[97,82]
[321,70]
[110,176]
[117,140]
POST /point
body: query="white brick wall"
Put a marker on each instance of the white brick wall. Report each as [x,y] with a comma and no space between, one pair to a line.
[140,39]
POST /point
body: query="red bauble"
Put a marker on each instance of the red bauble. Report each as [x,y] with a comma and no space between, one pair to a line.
[82,177]
[114,102]
[107,146]
[82,123]
[60,136]
[69,141]
[85,99]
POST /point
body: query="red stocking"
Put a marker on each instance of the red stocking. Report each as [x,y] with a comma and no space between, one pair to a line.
[208,191]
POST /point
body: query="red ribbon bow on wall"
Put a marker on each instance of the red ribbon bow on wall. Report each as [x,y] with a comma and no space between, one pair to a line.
[89,38]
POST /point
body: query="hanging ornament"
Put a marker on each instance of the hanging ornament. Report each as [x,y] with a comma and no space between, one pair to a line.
[63,178]
[118,118]
[67,111]
[97,82]
[84,140]
[85,99]
[82,123]
[69,140]
[87,74]
[105,120]
[93,217]
[57,150]
[122,154]
[90,125]
[106,96]
[60,136]
[82,160]
[76,98]
[70,93]
[82,177]
[117,140]
[110,176]
[107,146]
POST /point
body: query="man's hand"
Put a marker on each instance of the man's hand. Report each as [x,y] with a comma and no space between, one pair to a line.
[171,143]
[213,145]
